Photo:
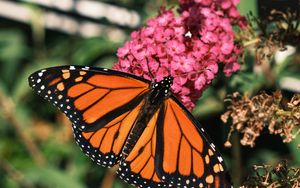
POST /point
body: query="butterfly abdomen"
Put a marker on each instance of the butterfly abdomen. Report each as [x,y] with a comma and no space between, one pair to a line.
[147,111]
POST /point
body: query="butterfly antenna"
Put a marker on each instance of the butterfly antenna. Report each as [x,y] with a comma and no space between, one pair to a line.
[169,68]
[158,65]
[149,70]
[169,63]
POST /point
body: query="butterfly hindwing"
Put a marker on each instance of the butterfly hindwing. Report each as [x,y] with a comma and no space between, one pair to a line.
[104,146]
[102,105]
[138,168]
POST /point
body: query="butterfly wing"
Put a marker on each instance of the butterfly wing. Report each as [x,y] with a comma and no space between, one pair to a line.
[139,167]
[102,104]
[187,157]
[174,151]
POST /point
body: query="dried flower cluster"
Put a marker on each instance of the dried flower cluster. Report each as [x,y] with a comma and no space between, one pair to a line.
[189,47]
[251,116]
[266,176]
[272,33]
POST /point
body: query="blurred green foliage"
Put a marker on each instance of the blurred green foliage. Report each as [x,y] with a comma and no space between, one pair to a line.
[36,144]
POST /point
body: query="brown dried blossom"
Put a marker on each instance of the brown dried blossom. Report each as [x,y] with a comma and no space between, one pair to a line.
[277,31]
[250,116]
[280,176]
[270,34]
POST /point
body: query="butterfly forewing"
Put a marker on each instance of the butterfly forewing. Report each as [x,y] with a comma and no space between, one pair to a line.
[102,105]
[187,156]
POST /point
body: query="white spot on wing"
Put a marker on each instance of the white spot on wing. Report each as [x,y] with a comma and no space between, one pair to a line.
[212,146]
[220,158]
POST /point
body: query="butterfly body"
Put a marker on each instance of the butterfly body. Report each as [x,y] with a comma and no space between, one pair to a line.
[123,119]
[158,92]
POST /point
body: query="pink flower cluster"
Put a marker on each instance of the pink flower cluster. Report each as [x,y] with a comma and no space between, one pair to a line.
[189,47]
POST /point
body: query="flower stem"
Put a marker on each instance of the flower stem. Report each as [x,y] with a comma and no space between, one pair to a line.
[109,178]
[283,113]
[8,109]
[236,155]
[251,42]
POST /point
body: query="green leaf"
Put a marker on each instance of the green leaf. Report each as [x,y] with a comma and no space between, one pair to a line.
[106,62]
[246,82]
[13,49]
[281,68]
[209,103]
[264,156]
[294,148]
[93,49]
[12,46]
[245,6]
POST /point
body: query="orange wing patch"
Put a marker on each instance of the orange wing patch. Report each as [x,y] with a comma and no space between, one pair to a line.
[141,158]
[101,94]
[182,142]
[89,98]
[111,138]
[185,160]
[79,89]
[109,81]
[110,101]
[139,166]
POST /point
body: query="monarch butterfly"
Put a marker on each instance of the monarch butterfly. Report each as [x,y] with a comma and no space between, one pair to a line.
[119,118]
